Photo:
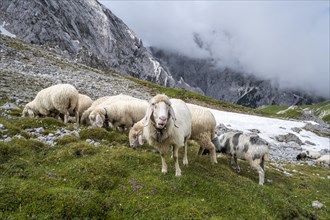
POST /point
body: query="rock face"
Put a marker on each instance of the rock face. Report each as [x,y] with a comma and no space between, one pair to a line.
[227,85]
[86,31]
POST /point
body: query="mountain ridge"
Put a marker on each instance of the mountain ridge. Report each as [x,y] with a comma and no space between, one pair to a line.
[229,85]
[87,32]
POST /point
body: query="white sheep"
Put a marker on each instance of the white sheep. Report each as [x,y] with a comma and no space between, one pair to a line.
[136,134]
[168,123]
[61,98]
[325,159]
[103,100]
[246,147]
[84,102]
[203,129]
[122,114]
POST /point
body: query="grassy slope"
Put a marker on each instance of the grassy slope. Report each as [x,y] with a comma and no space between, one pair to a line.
[76,179]
[322,110]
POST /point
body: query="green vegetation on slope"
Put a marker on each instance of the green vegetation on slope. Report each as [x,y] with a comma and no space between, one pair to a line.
[75,179]
[321,110]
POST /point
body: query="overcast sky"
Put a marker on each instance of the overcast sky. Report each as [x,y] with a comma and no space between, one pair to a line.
[283,40]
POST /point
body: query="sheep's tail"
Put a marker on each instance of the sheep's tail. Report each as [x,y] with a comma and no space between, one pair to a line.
[73,105]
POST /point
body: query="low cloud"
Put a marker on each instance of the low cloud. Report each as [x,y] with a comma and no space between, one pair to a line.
[285,40]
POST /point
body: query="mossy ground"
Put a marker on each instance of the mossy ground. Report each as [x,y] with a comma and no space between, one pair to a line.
[75,179]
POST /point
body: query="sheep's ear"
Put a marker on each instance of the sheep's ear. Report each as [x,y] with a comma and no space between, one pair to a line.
[140,138]
[171,111]
[98,121]
[149,112]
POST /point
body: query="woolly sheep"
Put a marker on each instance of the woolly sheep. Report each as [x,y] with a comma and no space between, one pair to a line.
[308,154]
[84,102]
[122,114]
[136,134]
[324,159]
[168,123]
[246,147]
[61,98]
[102,101]
[203,129]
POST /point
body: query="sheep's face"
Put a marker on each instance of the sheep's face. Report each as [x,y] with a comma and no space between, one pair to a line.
[96,119]
[27,112]
[135,137]
[159,113]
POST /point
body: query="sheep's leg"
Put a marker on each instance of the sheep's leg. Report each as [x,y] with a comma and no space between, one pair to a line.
[164,165]
[65,119]
[212,153]
[176,160]
[235,164]
[185,156]
[77,118]
[201,150]
[261,172]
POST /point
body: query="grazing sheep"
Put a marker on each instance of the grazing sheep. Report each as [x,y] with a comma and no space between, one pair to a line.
[308,154]
[84,102]
[61,98]
[136,134]
[122,114]
[102,101]
[325,159]
[203,129]
[246,147]
[168,123]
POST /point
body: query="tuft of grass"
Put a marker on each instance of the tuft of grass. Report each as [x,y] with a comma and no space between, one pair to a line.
[101,134]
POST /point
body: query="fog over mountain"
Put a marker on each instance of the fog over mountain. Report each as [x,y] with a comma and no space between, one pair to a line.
[286,41]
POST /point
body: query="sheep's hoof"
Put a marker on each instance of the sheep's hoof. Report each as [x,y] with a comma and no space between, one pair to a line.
[164,171]
[178,173]
[185,162]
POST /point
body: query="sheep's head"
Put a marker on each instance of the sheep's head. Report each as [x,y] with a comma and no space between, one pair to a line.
[159,111]
[28,111]
[135,137]
[96,117]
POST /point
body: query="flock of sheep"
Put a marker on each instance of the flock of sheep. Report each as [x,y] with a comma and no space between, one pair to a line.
[164,123]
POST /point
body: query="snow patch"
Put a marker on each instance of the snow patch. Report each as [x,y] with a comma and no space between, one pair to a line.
[130,34]
[270,128]
[5,32]
[157,67]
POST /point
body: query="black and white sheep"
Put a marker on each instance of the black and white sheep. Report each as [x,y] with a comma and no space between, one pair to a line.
[246,147]
[308,154]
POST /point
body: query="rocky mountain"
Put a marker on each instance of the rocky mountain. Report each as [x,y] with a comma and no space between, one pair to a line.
[228,85]
[87,32]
